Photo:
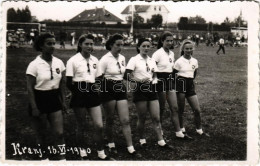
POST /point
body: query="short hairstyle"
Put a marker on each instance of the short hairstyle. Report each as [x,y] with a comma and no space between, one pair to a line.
[39,41]
[140,41]
[162,38]
[112,39]
[184,42]
[82,38]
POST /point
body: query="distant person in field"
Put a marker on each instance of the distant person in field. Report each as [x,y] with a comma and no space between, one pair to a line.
[141,70]
[186,69]
[81,74]
[46,92]
[114,94]
[164,59]
[221,44]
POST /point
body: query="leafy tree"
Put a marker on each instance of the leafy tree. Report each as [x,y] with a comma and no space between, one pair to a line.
[137,19]
[183,20]
[156,20]
[196,20]
[11,15]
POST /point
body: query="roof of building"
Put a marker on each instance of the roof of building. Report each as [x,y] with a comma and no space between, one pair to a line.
[138,9]
[98,14]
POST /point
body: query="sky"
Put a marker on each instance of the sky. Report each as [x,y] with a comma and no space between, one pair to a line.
[215,12]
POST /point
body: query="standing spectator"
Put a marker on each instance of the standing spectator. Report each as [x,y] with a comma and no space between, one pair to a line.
[221,44]
[72,38]
[46,92]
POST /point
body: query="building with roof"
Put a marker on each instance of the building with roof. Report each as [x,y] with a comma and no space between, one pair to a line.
[97,15]
[146,11]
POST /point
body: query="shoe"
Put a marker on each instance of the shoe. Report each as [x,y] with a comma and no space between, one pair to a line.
[112,150]
[204,135]
[166,147]
[135,155]
[186,137]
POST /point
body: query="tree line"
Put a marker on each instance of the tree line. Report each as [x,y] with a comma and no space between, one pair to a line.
[19,15]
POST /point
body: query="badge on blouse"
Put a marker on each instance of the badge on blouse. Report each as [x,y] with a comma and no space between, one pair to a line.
[152,70]
[57,70]
[122,63]
[193,66]
[94,66]
[170,60]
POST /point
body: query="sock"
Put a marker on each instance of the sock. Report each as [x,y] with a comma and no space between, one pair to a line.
[131,149]
[101,154]
[161,142]
[142,141]
[179,134]
[162,132]
[199,131]
[183,130]
[111,145]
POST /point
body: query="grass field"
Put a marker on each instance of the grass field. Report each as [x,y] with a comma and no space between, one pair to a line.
[221,88]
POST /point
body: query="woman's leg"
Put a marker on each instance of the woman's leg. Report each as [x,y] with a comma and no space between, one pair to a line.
[162,100]
[56,123]
[194,103]
[155,115]
[96,115]
[172,101]
[123,113]
[80,113]
[109,114]
[141,107]
[39,125]
[181,106]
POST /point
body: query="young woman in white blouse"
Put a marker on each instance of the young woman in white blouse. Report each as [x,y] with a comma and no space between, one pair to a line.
[81,74]
[46,92]
[141,71]
[113,94]
[164,59]
[186,69]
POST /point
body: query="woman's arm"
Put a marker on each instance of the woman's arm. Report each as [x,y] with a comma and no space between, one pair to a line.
[31,81]
[62,93]
[69,83]
[195,73]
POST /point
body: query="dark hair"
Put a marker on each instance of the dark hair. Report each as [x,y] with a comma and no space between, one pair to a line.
[39,41]
[140,41]
[112,39]
[162,38]
[186,41]
[82,38]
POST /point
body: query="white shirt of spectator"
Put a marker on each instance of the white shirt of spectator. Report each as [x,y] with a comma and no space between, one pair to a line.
[78,69]
[221,41]
[41,70]
[138,65]
[186,67]
[108,65]
[165,61]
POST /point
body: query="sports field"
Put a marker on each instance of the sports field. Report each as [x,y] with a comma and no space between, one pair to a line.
[221,86]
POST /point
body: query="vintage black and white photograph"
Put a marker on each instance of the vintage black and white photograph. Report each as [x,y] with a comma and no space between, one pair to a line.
[130,81]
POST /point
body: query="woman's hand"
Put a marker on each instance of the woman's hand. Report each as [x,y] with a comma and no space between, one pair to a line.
[65,109]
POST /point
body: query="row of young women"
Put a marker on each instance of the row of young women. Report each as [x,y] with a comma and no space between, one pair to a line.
[154,85]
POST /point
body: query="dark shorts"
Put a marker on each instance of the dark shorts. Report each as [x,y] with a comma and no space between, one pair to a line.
[47,101]
[84,95]
[185,85]
[165,82]
[144,92]
[113,90]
